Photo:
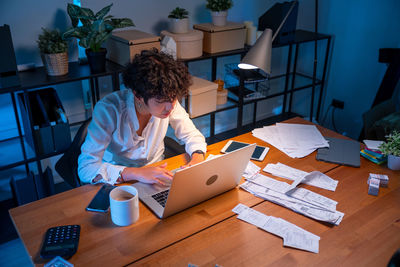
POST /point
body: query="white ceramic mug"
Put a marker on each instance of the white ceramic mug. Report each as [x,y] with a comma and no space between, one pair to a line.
[124,205]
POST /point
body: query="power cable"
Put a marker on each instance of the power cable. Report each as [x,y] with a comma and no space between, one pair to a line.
[333,119]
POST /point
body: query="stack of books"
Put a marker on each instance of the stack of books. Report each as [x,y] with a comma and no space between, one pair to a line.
[372,152]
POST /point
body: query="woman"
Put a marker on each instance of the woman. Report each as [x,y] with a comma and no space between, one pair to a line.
[128,127]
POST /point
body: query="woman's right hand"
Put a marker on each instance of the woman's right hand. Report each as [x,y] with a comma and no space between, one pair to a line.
[148,175]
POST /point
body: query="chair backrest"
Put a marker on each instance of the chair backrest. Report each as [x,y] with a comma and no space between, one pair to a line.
[67,165]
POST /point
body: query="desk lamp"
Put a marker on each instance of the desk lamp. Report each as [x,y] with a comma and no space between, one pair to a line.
[259,56]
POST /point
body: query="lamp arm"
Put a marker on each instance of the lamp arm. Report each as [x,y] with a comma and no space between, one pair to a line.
[284,20]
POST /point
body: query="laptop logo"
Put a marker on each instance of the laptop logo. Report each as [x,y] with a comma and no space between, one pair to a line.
[212,179]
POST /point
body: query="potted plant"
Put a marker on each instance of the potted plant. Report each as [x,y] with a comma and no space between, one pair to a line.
[179,22]
[219,10]
[53,51]
[94,31]
[391,148]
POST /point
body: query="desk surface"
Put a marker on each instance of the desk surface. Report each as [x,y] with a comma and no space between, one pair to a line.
[209,233]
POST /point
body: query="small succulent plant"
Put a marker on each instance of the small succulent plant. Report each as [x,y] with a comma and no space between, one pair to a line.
[51,42]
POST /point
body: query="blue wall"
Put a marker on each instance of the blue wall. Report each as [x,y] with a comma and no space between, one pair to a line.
[359,28]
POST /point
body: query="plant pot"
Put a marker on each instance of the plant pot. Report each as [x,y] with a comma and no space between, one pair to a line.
[56,64]
[393,162]
[97,60]
[179,25]
[219,18]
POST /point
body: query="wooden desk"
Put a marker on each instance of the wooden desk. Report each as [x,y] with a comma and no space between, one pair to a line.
[368,235]
[209,233]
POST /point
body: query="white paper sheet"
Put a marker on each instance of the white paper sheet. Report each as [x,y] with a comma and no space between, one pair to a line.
[313,198]
[315,178]
[295,140]
[293,236]
[269,183]
[251,170]
[300,206]
[320,180]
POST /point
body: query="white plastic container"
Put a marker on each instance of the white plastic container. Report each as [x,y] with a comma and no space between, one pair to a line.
[188,45]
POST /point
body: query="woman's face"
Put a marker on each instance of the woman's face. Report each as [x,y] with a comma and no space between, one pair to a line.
[160,108]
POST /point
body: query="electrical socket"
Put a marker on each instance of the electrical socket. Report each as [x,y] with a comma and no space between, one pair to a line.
[337,104]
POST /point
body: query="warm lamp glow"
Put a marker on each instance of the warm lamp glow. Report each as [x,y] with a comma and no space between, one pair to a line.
[247,66]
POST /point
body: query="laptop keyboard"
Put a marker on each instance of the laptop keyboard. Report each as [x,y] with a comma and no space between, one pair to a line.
[161,197]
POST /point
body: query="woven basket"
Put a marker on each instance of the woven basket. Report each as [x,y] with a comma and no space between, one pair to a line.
[56,64]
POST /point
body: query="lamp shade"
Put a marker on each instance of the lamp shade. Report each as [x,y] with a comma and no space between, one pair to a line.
[259,56]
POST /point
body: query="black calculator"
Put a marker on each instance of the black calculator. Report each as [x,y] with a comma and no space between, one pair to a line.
[60,241]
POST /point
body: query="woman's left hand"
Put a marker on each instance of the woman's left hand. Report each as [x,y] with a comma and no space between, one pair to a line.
[196,158]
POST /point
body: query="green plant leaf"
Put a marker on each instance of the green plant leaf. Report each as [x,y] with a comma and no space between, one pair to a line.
[51,42]
[103,12]
[178,13]
[392,144]
[96,28]
[219,5]
[87,13]
[121,23]
[73,12]
[84,43]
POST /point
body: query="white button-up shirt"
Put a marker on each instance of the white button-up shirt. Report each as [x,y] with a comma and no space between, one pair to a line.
[112,143]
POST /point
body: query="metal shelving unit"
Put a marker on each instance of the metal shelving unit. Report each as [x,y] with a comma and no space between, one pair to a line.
[38,78]
[291,75]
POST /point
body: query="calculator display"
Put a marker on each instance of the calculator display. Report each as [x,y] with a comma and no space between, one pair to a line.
[60,241]
[64,246]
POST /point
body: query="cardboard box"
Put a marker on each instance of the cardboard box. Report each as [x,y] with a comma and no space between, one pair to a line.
[188,45]
[124,45]
[222,38]
[202,97]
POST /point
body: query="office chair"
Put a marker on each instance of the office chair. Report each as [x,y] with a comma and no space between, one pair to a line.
[172,148]
[67,165]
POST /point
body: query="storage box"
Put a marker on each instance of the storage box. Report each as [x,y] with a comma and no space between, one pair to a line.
[50,124]
[124,45]
[202,97]
[222,38]
[188,45]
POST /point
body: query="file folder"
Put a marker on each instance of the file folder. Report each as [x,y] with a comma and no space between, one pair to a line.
[340,151]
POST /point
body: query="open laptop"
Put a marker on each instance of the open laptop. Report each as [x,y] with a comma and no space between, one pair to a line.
[197,183]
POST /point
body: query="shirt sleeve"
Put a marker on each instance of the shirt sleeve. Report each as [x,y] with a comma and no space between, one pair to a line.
[186,131]
[99,134]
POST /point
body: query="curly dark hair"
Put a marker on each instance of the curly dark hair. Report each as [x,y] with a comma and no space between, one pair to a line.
[154,74]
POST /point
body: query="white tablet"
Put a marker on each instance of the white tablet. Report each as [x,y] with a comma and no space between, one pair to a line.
[259,153]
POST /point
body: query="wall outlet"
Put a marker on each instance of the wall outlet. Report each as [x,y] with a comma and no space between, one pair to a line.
[337,104]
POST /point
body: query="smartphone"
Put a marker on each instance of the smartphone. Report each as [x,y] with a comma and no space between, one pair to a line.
[101,201]
[259,153]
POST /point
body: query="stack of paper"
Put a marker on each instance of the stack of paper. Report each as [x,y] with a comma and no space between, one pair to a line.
[293,236]
[300,200]
[372,152]
[295,140]
[372,144]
